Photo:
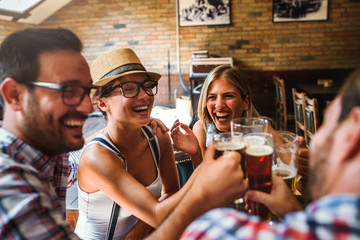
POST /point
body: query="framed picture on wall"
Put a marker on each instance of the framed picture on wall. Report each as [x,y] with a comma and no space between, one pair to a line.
[203,12]
[300,10]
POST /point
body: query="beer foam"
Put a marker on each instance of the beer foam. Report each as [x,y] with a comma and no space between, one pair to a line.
[233,145]
[259,150]
[289,173]
[254,140]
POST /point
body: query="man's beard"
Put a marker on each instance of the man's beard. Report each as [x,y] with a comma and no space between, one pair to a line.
[317,184]
[42,133]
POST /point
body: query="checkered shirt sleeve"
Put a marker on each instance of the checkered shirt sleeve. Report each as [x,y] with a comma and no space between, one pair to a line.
[331,217]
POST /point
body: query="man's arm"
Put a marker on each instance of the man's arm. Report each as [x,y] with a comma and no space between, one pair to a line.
[179,219]
[139,231]
[217,184]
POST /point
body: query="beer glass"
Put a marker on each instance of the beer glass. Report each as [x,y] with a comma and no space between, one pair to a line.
[285,164]
[270,121]
[225,142]
[259,152]
[247,125]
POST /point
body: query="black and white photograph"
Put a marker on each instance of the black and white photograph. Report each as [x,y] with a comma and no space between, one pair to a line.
[204,12]
[300,10]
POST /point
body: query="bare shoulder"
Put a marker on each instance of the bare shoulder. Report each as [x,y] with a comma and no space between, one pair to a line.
[99,157]
[198,128]
[270,129]
[99,168]
[166,145]
[162,137]
[92,136]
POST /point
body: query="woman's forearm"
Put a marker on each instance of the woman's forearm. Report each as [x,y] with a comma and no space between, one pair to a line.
[196,158]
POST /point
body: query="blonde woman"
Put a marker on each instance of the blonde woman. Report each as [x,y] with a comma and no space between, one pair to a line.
[225,95]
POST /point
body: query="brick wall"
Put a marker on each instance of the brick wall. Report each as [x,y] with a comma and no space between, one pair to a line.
[252,39]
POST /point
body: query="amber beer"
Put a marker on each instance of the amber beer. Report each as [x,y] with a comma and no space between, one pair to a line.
[259,162]
[289,176]
[222,148]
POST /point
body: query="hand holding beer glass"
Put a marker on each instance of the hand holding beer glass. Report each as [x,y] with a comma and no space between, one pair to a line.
[225,142]
[285,164]
[259,152]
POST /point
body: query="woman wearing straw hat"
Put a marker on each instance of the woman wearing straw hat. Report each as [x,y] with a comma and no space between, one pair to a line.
[124,169]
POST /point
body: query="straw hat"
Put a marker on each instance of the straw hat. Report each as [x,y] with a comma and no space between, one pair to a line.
[117,63]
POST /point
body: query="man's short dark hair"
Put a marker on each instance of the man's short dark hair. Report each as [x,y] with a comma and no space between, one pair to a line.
[350,94]
[19,52]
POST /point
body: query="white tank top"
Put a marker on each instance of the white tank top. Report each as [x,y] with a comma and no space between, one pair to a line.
[95,208]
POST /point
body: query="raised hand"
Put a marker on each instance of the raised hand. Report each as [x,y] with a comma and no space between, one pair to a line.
[186,142]
[157,123]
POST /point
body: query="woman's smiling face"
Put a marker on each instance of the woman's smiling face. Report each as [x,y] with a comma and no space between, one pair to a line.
[224,103]
[134,110]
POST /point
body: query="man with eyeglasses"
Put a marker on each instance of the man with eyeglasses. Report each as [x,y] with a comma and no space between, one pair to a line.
[45,86]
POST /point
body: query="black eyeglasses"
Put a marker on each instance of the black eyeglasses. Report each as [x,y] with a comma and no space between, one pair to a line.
[131,89]
[72,95]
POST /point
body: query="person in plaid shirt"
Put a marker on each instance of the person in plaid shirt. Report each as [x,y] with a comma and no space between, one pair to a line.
[45,85]
[334,212]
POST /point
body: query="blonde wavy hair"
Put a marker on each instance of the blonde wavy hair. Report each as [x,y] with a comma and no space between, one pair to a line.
[234,76]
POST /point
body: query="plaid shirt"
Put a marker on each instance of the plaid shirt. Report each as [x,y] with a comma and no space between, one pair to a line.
[32,192]
[332,217]
[74,159]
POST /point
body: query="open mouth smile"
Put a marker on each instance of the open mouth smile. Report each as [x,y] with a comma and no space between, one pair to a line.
[222,116]
[141,109]
[73,123]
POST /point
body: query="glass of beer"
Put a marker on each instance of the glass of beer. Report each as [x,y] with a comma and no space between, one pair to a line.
[247,125]
[285,164]
[225,142]
[259,152]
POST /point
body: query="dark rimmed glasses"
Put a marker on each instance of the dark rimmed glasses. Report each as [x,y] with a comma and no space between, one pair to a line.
[132,89]
[72,95]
